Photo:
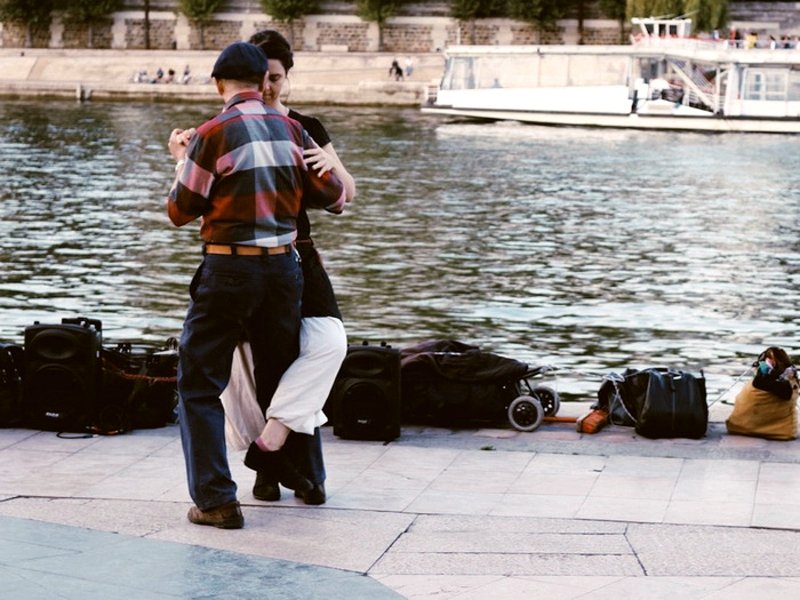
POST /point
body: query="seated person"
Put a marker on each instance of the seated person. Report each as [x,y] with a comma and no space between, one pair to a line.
[767,405]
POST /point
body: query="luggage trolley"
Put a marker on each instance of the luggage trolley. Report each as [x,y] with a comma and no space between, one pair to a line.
[448,383]
[533,403]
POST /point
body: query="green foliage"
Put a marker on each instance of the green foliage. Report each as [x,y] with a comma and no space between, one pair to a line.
[86,11]
[289,10]
[466,10]
[199,10]
[639,8]
[32,12]
[667,8]
[544,13]
[655,8]
[614,9]
[377,11]
[707,15]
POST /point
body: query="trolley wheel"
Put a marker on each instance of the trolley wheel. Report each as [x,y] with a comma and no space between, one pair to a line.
[525,413]
[549,398]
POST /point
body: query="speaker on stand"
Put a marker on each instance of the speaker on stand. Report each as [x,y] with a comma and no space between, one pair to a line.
[62,374]
[365,399]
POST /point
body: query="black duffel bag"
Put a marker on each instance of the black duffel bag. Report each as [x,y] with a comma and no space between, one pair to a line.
[12,358]
[658,402]
[139,387]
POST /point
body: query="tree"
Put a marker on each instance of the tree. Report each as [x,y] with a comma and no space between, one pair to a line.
[543,13]
[667,8]
[615,9]
[580,14]
[34,14]
[639,8]
[88,12]
[147,24]
[707,15]
[288,11]
[200,12]
[655,8]
[378,11]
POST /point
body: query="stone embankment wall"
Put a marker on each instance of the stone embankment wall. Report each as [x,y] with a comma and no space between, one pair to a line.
[420,27]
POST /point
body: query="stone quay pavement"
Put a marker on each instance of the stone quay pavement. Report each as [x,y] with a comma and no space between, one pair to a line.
[341,78]
[437,513]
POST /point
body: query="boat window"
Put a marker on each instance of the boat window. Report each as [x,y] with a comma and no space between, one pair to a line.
[460,74]
[530,70]
[766,84]
[473,72]
[518,71]
[794,86]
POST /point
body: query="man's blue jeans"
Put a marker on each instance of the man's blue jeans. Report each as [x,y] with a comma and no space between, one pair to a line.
[231,295]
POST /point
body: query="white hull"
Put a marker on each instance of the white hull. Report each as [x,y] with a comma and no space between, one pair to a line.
[670,84]
[627,121]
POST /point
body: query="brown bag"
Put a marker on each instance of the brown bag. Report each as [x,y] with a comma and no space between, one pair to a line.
[762,414]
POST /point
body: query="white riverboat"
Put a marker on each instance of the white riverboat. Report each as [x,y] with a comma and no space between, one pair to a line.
[663,80]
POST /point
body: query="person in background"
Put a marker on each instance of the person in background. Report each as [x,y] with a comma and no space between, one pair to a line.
[767,405]
[295,411]
[396,71]
[243,174]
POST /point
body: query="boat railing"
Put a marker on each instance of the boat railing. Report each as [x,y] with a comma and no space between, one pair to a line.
[431,93]
[675,43]
[707,43]
[707,102]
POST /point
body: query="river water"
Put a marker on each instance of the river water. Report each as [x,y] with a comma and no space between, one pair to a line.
[587,250]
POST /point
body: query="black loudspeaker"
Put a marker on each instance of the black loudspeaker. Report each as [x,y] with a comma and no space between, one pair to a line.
[365,399]
[62,374]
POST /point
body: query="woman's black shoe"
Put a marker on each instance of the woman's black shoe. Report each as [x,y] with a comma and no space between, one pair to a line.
[266,489]
[315,496]
[276,466]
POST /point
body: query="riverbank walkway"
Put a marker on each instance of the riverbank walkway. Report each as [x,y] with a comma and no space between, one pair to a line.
[437,513]
[334,77]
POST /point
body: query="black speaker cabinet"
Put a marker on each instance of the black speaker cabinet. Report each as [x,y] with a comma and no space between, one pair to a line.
[62,374]
[365,399]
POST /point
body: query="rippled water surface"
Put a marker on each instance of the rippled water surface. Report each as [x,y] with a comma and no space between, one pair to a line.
[589,250]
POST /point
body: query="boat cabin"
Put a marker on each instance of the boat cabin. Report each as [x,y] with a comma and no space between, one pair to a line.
[662,28]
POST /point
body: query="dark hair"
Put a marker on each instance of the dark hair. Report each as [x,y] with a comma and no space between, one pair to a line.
[274,46]
[779,355]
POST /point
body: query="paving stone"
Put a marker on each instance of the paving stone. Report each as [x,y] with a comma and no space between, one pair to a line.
[454,563]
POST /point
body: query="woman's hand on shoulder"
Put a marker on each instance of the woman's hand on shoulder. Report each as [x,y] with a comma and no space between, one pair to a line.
[317,158]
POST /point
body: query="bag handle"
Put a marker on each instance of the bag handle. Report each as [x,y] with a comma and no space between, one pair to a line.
[615,380]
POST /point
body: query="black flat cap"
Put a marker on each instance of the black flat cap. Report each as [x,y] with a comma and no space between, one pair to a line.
[240,61]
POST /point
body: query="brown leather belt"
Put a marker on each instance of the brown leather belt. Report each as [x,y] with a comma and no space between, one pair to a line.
[242,250]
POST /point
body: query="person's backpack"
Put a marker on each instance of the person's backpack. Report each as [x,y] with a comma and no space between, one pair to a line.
[11,370]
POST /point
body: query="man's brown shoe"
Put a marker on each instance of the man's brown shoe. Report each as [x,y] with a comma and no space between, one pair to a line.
[227,516]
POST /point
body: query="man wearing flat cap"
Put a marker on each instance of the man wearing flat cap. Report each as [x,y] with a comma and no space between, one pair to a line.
[242,173]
